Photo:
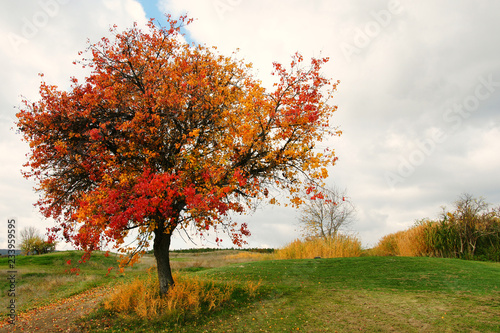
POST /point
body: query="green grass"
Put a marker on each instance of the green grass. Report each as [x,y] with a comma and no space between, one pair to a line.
[374,294]
[401,273]
[44,279]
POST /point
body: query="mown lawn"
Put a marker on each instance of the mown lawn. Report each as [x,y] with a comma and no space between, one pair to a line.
[371,294]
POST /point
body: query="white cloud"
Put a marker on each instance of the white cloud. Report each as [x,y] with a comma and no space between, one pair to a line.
[408,64]
[43,36]
[395,89]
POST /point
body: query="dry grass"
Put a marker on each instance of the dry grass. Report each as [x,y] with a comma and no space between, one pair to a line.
[407,243]
[38,288]
[46,285]
[248,256]
[189,295]
[335,247]
[386,246]
[214,258]
[411,243]
[252,287]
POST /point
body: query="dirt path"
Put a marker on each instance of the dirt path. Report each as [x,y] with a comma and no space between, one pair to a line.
[57,317]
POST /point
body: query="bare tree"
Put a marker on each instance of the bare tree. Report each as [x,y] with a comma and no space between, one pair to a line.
[29,233]
[325,213]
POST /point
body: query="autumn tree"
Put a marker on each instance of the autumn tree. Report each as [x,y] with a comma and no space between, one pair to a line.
[325,213]
[32,242]
[162,135]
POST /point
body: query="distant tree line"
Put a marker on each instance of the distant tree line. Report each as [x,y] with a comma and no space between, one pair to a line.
[211,249]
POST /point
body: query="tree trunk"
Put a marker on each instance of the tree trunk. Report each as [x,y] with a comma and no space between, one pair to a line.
[161,247]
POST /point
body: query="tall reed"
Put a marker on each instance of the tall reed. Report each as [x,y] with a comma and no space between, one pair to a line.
[412,242]
[334,247]
[422,239]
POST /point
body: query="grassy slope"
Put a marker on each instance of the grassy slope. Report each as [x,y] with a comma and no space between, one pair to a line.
[371,294]
[43,279]
[350,294]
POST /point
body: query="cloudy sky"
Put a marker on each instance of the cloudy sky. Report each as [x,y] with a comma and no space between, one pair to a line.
[419,99]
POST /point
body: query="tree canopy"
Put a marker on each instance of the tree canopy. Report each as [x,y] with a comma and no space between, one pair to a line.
[162,134]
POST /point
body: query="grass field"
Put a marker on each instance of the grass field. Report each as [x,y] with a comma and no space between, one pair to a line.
[371,294]
[44,279]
